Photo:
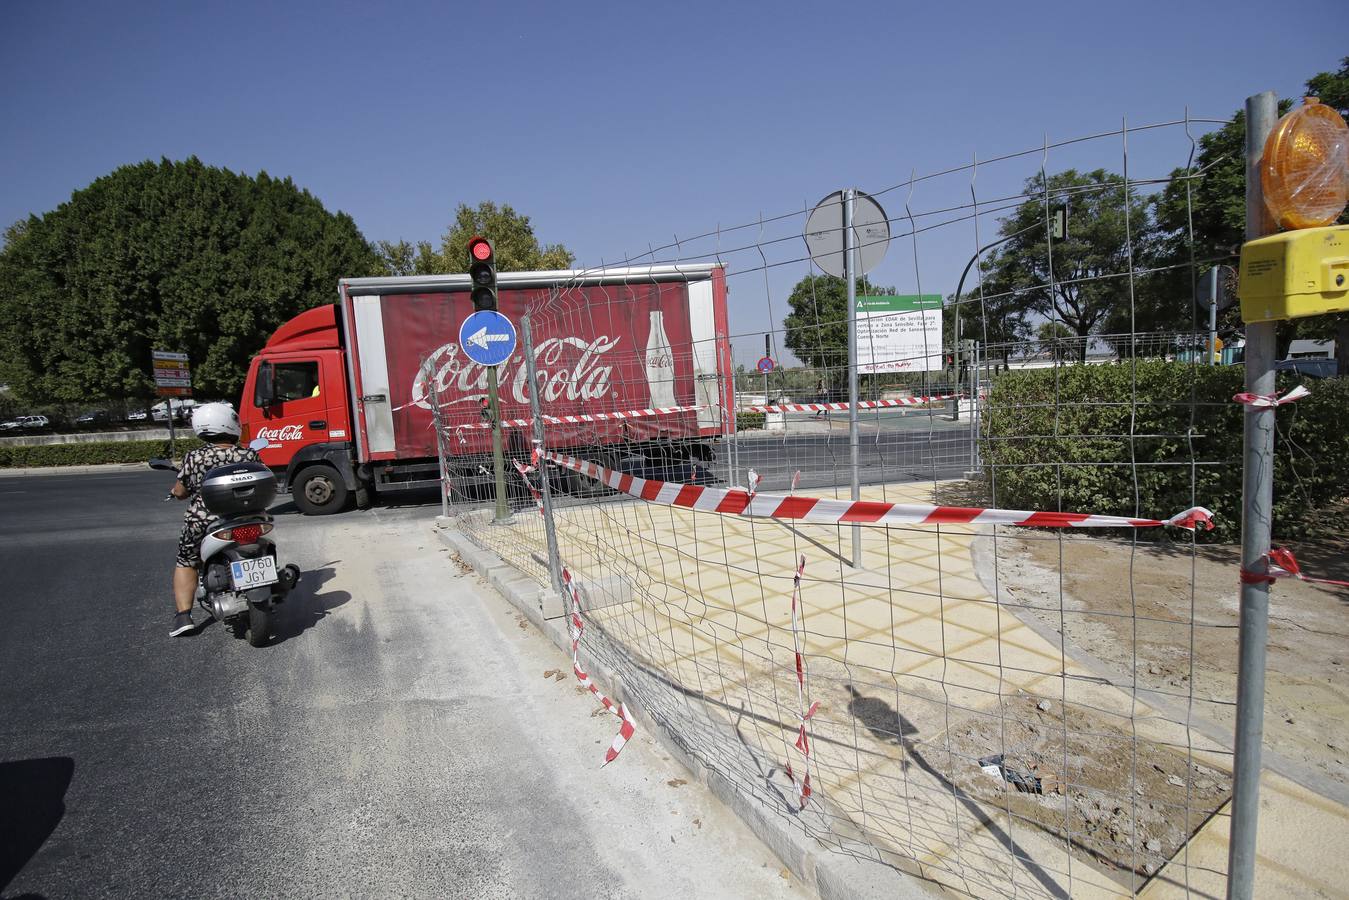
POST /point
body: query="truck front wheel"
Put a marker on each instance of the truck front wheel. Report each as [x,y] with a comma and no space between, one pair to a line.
[319,491]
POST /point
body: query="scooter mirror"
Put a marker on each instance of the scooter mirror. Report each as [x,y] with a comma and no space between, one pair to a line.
[164,464]
[258,443]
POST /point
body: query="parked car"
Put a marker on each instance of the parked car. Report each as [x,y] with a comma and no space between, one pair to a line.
[182,411]
[137,415]
[33,423]
[1312,366]
[93,417]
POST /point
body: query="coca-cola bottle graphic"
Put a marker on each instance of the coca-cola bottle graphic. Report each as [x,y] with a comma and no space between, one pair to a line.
[660,372]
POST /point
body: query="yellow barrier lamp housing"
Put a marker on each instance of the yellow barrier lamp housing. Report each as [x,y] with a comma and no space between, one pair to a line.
[1304,175]
[1295,274]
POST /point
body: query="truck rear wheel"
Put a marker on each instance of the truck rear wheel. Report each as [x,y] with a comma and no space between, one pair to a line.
[319,491]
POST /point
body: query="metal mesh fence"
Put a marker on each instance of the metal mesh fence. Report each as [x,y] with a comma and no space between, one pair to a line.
[1007,710]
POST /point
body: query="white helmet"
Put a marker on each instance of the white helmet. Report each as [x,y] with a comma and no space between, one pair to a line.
[215,422]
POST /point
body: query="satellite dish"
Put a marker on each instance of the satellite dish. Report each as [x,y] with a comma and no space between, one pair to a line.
[824,233]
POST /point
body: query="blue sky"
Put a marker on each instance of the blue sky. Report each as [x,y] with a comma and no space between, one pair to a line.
[622,125]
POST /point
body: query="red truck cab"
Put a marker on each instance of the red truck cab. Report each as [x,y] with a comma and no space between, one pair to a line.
[299,402]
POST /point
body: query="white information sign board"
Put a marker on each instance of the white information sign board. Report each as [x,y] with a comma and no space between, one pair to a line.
[899,333]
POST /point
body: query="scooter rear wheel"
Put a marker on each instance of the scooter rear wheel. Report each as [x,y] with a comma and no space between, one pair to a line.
[259,625]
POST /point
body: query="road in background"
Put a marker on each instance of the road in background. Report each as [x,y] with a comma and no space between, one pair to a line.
[405,734]
[895,445]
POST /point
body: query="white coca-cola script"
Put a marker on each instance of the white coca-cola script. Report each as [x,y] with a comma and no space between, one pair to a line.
[568,368]
[285,433]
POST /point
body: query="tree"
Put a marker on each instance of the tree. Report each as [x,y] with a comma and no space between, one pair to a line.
[170,255]
[1052,335]
[817,323]
[1089,267]
[1212,194]
[513,243]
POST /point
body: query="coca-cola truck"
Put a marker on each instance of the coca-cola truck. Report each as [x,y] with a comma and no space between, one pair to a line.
[344,393]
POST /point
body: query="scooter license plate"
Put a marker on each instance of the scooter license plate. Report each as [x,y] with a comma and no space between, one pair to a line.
[251,573]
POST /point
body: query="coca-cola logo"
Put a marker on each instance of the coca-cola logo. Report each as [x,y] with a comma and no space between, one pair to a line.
[568,368]
[285,433]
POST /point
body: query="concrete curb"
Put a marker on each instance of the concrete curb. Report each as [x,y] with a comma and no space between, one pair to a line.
[760,804]
[76,470]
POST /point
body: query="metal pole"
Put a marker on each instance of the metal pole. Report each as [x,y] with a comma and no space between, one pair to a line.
[168,406]
[437,416]
[974,406]
[849,274]
[766,399]
[503,512]
[955,352]
[1257,497]
[536,412]
[1213,330]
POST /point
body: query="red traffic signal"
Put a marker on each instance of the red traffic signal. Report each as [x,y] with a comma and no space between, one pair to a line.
[482,271]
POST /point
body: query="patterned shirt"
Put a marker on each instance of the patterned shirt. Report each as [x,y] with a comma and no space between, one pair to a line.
[200,461]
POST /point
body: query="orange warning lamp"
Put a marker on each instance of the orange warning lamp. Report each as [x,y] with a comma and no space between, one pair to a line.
[1304,170]
[1304,175]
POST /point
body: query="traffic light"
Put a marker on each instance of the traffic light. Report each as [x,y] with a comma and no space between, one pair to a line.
[482,271]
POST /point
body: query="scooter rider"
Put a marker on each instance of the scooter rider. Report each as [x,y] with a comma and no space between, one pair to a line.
[218,425]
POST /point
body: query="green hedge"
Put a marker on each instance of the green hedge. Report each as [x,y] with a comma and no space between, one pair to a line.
[88,454]
[1058,439]
[750,421]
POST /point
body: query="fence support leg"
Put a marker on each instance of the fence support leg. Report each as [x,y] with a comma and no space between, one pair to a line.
[536,413]
[1257,497]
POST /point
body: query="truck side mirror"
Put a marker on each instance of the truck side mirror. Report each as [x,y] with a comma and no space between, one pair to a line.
[264,388]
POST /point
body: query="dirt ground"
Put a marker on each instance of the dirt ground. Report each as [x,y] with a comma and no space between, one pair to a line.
[1132,606]
[1121,803]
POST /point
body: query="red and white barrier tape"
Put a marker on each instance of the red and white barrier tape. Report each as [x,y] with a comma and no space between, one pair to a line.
[866,512]
[1266,401]
[674,410]
[862,404]
[524,476]
[576,629]
[590,417]
[1282,564]
[802,694]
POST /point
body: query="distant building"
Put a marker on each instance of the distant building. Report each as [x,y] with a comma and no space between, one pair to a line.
[1306,349]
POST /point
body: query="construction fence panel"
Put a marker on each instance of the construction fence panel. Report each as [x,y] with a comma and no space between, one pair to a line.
[1032,709]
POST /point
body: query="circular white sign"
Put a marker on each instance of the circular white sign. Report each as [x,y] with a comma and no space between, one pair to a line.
[824,233]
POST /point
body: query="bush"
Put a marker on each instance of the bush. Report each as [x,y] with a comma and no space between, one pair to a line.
[89,454]
[1059,439]
[750,421]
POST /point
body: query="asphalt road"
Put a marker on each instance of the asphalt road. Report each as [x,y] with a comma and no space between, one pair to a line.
[912,452]
[402,736]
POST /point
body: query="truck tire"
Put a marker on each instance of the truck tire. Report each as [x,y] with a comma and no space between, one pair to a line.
[319,491]
[362,495]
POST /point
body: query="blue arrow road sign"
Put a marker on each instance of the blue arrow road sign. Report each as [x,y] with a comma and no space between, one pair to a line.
[487,337]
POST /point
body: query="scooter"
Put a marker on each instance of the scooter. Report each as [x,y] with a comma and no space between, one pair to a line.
[238,581]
